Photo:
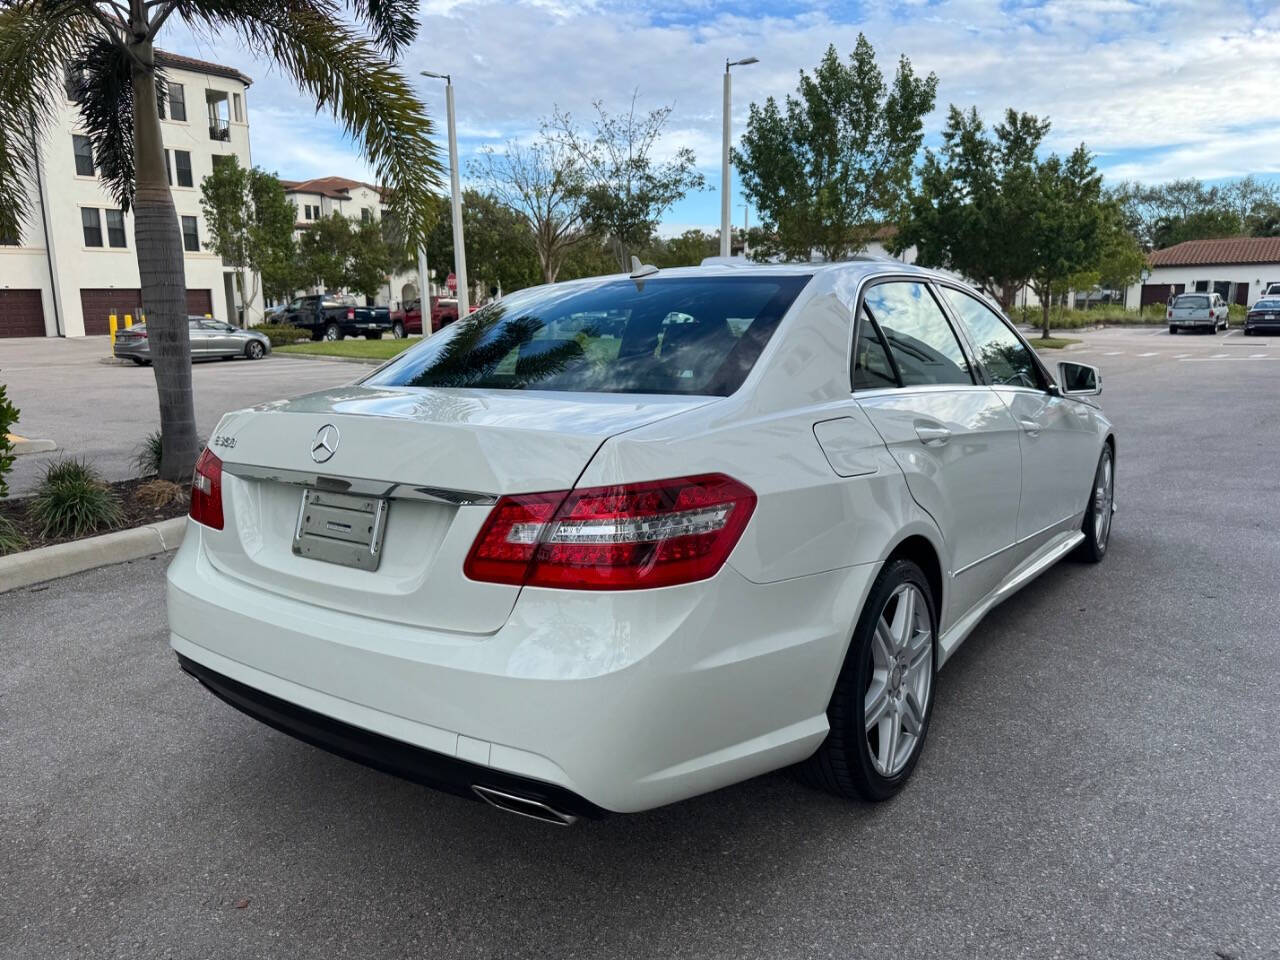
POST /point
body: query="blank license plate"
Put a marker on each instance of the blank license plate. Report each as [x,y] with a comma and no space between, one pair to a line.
[341,528]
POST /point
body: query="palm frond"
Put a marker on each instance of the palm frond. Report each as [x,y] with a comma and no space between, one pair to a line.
[347,75]
[105,98]
[392,22]
[37,39]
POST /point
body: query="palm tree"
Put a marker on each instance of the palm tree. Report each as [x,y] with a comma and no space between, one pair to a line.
[110,44]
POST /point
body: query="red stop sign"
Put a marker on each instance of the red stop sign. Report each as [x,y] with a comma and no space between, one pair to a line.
[452,282]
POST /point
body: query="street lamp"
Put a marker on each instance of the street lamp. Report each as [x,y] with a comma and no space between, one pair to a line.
[459,252]
[724,157]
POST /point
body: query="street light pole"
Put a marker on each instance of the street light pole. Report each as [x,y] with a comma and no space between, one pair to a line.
[725,185]
[459,251]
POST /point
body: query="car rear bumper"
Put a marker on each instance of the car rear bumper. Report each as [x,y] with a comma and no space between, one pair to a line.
[1200,324]
[128,351]
[625,700]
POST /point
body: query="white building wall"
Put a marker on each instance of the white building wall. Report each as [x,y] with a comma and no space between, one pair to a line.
[1256,275]
[76,266]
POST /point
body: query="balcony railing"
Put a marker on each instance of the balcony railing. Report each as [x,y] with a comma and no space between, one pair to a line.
[219,130]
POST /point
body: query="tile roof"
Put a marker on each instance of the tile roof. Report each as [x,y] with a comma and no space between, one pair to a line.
[165,58]
[338,188]
[1195,253]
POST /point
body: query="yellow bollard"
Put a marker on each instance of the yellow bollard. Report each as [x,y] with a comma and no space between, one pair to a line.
[111,325]
[128,321]
[209,316]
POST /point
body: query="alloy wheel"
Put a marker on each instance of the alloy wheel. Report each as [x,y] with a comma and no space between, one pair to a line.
[1103,495]
[901,680]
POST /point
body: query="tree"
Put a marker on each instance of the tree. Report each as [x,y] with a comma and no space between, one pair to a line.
[972,211]
[826,172]
[1163,214]
[338,53]
[1067,223]
[687,250]
[339,253]
[250,223]
[500,245]
[543,184]
[1120,259]
[623,191]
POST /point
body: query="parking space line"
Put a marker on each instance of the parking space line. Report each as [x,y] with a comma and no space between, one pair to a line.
[1148,354]
[1179,356]
[1223,356]
[1114,353]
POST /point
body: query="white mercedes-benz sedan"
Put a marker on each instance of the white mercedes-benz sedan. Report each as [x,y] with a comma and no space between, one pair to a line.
[607,544]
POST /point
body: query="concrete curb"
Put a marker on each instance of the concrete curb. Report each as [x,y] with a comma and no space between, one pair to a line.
[367,361]
[24,445]
[63,559]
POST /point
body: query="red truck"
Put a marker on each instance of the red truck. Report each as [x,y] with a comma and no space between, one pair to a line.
[407,320]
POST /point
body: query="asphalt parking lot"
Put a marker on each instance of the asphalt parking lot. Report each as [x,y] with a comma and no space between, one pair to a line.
[1102,778]
[103,411]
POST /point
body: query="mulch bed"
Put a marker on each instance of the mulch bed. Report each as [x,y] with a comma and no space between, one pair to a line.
[135,513]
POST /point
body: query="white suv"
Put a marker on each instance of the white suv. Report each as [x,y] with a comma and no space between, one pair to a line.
[607,544]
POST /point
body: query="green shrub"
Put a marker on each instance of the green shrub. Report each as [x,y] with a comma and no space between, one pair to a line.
[146,460]
[11,539]
[72,501]
[8,417]
[281,333]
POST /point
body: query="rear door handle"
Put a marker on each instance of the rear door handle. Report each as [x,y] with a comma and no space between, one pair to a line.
[933,436]
[1030,427]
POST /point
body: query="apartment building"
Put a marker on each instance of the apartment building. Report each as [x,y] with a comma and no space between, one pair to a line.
[323,196]
[75,262]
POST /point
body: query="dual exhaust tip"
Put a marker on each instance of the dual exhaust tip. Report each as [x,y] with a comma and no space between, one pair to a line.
[524,806]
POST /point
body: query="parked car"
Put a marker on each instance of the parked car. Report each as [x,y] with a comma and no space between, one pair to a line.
[1197,311]
[407,319]
[209,339]
[569,572]
[1272,290]
[333,317]
[1263,317]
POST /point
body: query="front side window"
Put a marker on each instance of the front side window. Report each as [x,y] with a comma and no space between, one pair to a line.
[92,224]
[84,155]
[678,335]
[924,346]
[177,101]
[115,228]
[190,235]
[1005,357]
[182,164]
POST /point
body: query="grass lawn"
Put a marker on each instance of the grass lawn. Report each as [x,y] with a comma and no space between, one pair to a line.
[363,349]
[1051,343]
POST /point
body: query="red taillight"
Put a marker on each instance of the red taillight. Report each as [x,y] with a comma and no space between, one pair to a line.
[1169,315]
[351,314]
[206,491]
[625,537]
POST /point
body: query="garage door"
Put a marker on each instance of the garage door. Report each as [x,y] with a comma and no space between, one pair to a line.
[21,313]
[1160,292]
[98,305]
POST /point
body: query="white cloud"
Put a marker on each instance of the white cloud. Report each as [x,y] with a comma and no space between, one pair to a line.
[1121,75]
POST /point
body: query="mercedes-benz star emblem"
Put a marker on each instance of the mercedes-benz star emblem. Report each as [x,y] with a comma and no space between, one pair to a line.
[325,445]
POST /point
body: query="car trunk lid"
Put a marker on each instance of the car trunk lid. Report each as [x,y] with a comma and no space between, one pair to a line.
[437,457]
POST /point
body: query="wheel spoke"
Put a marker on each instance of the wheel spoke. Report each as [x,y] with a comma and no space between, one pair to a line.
[890,737]
[904,618]
[877,703]
[912,714]
[882,645]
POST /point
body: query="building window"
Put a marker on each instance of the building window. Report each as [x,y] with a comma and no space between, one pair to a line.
[182,163]
[177,101]
[115,228]
[92,224]
[74,81]
[190,235]
[237,108]
[168,170]
[84,155]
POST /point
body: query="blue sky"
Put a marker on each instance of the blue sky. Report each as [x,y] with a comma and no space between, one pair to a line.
[1156,89]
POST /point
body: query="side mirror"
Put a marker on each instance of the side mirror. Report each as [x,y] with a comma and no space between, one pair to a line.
[1078,379]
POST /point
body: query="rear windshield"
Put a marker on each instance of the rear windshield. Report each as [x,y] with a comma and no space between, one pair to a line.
[1267,305]
[1195,303]
[694,335]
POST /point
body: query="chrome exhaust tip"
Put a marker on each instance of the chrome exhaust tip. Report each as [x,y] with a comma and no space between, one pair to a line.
[523,806]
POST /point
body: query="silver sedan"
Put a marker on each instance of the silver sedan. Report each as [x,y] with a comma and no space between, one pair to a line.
[209,338]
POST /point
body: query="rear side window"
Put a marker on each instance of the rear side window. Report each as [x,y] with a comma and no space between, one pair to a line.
[871,367]
[1005,357]
[682,335]
[924,346]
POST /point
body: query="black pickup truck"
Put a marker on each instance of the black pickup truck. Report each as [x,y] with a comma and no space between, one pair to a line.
[332,317]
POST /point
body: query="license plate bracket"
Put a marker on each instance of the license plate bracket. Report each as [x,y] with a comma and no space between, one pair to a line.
[341,528]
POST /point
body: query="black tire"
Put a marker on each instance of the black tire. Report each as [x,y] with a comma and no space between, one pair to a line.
[397,331]
[1172,329]
[254,350]
[333,332]
[140,362]
[843,764]
[1094,548]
